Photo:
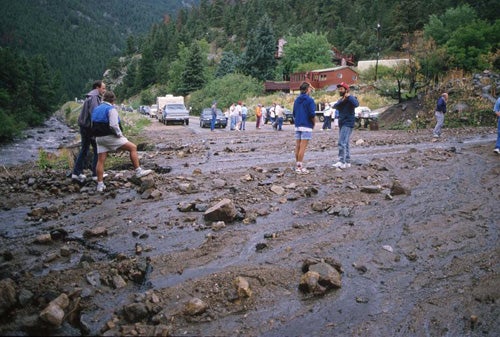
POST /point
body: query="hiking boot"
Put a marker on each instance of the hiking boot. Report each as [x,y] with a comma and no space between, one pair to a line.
[94,178]
[340,165]
[81,177]
[140,172]
[101,187]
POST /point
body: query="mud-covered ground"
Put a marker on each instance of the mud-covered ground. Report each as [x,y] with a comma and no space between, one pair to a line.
[413,226]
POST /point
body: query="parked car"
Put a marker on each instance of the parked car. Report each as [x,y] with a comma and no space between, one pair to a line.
[364,115]
[289,116]
[153,111]
[206,118]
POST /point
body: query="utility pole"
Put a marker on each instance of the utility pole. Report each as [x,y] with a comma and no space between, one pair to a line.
[378,50]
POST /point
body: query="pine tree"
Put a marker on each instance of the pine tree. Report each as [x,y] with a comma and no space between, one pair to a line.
[193,78]
[258,60]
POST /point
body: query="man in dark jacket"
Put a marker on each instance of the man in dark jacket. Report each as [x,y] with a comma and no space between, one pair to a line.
[440,111]
[92,100]
[345,105]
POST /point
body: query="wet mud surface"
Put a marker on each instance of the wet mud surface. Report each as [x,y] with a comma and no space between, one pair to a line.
[418,260]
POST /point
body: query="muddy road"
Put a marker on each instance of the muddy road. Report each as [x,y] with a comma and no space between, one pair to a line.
[412,227]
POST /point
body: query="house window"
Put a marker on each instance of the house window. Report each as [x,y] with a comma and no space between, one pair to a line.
[339,75]
[354,77]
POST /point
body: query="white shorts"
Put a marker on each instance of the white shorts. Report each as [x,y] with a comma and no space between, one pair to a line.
[109,143]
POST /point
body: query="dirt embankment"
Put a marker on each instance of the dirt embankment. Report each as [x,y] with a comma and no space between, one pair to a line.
[412,226]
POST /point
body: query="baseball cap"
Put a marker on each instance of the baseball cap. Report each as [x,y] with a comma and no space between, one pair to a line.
[343,85]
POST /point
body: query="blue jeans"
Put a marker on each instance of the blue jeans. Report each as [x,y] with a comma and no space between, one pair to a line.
[279,123]
[234,120]
[243,122]
[327,123]
[212,122]
[87,140]
[344,137]
[497,146]
[439,123]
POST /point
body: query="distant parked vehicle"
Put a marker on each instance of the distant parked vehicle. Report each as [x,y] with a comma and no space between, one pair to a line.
[172,109]
[364,116]
[206,118]
[153,111]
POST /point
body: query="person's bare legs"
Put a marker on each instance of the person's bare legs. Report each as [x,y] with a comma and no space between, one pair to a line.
[101,159]
[302,149]
[132,149]
[297,148]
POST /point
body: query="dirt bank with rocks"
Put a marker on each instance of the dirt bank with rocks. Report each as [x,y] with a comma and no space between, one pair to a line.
[224,239]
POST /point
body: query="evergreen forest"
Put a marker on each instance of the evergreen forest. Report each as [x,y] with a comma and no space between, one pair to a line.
[189,48]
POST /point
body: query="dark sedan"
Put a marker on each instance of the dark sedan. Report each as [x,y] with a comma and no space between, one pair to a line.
[206,119]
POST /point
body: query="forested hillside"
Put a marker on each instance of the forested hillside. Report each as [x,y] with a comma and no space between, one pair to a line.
[190,47]
[78,37]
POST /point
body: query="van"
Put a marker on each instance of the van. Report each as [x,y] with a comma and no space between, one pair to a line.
[172,109]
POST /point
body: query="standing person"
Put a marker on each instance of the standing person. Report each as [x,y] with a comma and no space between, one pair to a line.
[304,114]
[440,111]
[496,110]
[244,111]
[280,113]
[258,115]
[345,105]
[109,137]
[237,113]
[92,100]
[327,114]
[335,117]
[233,115]
[214,115]
[272,115]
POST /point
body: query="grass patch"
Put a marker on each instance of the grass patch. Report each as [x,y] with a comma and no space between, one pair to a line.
[63,160]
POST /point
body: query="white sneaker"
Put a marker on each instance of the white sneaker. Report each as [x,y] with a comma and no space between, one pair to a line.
[497,151]
[81,177]
[340,165]
[347,165]
[101,187]
[94,178]
[142,172]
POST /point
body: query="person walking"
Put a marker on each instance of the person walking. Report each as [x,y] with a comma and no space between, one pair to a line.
[280,114]
[327,114]
[345,105]
[304,114]
[92,100]
[496,110]
[109,137]
[258,116]
[244,111]
[214,116]
[233,115]
[440,111]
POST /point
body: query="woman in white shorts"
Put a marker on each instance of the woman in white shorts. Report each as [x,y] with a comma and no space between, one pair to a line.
[109,137]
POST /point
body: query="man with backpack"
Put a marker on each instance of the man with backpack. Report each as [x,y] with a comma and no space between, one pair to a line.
[92,100]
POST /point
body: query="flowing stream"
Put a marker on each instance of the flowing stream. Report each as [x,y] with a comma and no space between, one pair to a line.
[51,136]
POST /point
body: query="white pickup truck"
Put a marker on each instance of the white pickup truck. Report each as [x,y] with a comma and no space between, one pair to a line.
[172,109]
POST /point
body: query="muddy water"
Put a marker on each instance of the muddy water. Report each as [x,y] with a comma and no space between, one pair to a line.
[439,234]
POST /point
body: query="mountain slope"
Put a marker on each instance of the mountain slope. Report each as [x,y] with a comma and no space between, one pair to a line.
[78,37]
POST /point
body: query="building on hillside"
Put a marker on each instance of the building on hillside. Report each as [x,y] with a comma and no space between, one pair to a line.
[325,79]
[321,79]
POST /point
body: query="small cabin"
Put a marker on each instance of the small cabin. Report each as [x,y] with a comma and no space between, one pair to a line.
[324,79]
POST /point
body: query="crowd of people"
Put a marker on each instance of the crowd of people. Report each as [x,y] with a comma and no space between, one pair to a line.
[100,127]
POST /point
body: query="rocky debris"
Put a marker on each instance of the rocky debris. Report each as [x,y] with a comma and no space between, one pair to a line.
[242,287]
[54,312]
[7,295]
[195,306]
[224,210]
[320,276]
